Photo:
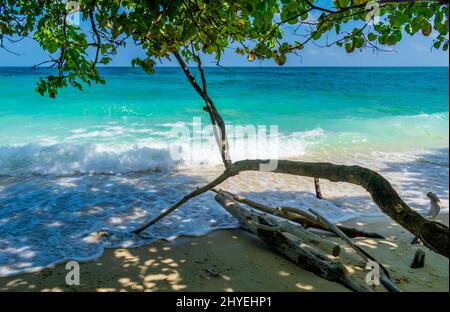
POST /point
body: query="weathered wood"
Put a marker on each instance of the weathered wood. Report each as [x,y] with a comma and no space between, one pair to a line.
[433,212]
[306,237]
[298,216]
[341,234]
[308,220]
[314,262]
[297,230]
[317,188]
[352,233]
[248,202]
[307,258]
[384,278]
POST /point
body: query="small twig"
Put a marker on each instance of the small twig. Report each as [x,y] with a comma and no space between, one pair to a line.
[317,187]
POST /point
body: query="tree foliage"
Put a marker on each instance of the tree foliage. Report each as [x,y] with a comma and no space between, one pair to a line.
[255,29]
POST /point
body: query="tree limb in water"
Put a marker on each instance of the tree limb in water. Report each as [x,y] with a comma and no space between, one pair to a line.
[433,234]
[185,199]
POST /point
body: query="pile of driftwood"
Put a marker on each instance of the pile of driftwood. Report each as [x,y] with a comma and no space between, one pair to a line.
[285,230]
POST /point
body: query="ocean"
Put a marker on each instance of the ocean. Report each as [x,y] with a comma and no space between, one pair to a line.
[114,155]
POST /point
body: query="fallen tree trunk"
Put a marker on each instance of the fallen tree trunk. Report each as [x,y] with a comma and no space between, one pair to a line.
[307,237]
[286,226]
[307,258]
[433,234]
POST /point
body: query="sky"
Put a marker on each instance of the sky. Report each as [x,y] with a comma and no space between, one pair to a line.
[411,51]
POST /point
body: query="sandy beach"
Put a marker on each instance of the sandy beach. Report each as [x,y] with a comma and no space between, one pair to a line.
[233,260]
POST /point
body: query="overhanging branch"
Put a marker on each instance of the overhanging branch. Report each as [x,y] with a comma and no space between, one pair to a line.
[433,234]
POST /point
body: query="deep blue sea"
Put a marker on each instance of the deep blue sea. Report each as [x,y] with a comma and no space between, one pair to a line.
[103,157]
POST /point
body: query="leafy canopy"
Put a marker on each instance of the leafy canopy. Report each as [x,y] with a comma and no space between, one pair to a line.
[256,29]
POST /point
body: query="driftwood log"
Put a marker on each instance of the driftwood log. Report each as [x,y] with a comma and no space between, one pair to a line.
[307,257]
[434,235]
[308,238]
[298,216]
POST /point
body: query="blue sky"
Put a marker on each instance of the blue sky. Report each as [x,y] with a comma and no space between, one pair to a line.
[412,51]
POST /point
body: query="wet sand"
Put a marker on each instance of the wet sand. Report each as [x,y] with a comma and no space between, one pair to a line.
[233,260]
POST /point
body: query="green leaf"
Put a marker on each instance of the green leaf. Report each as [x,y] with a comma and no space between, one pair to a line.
[372,37]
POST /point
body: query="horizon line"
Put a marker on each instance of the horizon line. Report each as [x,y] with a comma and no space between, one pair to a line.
[240,66]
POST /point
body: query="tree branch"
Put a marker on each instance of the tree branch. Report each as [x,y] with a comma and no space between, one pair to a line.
[224,176]
[433,234]
[216,118]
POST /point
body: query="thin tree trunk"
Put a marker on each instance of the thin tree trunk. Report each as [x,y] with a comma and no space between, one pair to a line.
[216,118]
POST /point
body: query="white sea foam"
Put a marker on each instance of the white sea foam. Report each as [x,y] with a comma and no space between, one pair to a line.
[114,148]
[67,159]
[145,154]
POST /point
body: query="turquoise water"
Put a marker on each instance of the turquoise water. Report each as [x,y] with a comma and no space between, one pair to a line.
[361,108]
[101,159]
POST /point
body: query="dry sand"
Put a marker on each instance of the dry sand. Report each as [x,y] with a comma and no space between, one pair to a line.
[233,260]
